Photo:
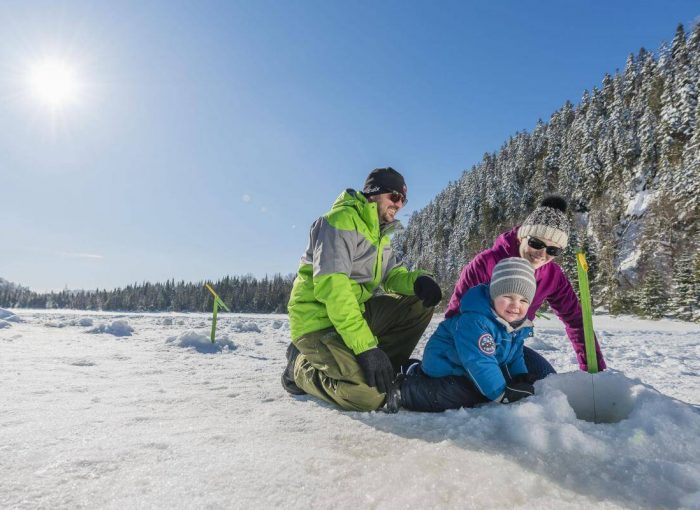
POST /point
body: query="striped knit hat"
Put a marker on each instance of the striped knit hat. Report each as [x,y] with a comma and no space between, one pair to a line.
[548,221]
[513,276]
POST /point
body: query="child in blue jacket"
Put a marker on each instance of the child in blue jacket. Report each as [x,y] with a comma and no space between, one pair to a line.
[476,356]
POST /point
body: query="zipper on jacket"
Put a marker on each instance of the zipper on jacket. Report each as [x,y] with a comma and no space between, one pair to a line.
[377,280]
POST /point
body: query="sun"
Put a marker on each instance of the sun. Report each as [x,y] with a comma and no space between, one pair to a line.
[54,82]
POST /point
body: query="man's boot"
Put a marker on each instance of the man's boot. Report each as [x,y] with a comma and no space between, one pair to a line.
[288,374]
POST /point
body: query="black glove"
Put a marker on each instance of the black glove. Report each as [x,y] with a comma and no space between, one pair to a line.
[517,390]
[525,378]
[377,369]
[427,291]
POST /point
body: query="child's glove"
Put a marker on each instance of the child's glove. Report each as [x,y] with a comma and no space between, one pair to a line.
[517,390]
[526,378]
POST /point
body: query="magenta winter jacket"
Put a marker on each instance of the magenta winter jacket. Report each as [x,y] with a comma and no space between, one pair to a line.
[552,285]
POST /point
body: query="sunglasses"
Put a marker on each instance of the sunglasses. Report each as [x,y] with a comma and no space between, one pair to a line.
[536,244]
[397,196]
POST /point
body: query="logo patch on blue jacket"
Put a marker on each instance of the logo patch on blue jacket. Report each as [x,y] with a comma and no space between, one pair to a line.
[487,344]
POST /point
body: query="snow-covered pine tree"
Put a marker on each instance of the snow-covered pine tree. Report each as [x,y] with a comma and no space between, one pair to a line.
[653,297]
[684,302]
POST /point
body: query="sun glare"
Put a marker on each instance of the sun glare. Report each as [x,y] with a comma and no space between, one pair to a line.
[54,83]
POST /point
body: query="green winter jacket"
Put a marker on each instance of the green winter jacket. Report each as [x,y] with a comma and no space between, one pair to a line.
[347,258]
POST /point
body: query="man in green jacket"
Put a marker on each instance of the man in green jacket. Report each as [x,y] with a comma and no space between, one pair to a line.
[349,338]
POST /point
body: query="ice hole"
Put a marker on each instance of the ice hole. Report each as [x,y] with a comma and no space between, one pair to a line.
[599,398]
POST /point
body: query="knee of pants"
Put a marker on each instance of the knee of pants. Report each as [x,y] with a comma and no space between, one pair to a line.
[417,308]
[423,393]
[350,394]
[362,399]
[536,364]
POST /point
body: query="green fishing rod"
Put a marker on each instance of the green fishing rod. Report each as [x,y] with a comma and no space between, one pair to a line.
[218,302]
[585,294]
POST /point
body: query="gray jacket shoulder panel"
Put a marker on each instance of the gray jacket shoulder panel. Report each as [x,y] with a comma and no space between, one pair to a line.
[332,250]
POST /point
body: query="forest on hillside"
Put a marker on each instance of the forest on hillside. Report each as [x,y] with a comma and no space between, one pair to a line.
[627,158]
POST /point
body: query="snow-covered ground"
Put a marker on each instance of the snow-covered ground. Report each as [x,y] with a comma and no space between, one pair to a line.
[141,411]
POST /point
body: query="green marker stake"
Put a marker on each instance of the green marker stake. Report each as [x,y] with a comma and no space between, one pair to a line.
[217,303]
[589,338]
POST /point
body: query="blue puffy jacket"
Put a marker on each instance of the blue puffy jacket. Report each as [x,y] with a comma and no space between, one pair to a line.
[479,344]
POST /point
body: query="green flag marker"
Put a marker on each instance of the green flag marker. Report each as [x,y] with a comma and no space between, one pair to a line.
[585,295]
[217,303]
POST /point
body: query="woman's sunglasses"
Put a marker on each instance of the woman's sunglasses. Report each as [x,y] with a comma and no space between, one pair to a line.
[536,244]
[397,196]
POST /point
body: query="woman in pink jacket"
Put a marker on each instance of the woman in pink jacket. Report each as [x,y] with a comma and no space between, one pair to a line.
[540,239]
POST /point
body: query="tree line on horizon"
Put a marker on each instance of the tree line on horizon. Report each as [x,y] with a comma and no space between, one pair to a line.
[240,293]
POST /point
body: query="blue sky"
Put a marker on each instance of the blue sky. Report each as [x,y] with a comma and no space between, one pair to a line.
[207,136]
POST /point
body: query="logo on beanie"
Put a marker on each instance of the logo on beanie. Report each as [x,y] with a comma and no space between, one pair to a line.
[487,344]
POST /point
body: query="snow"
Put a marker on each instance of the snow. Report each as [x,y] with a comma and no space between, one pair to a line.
[627,258]
[201,342]
[8,316]
[155,420]
[629,253]
[630,261]
[242,327]
[639,203]
[116,328]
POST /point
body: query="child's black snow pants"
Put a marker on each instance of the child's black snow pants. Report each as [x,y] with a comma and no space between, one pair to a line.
[420,392]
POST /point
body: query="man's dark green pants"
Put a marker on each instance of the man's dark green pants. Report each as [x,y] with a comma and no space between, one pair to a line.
[328,369]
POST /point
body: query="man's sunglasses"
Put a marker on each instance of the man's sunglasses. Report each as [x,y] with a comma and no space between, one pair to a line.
[536,244]
[397,196]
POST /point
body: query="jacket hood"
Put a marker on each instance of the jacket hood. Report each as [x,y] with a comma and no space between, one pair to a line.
[477,300]
[508,243]
[366,210]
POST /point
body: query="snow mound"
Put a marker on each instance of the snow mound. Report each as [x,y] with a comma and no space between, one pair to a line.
[85,322]
[540,345]
[117,328]
[655,439]
[4,314]
[245,327]
[8,316]
[201,342]
[4,324]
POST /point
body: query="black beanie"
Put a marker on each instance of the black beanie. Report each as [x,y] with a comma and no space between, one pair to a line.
[384,180]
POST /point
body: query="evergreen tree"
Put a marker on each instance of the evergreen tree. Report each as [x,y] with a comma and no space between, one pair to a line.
[653,297]
[684,302]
